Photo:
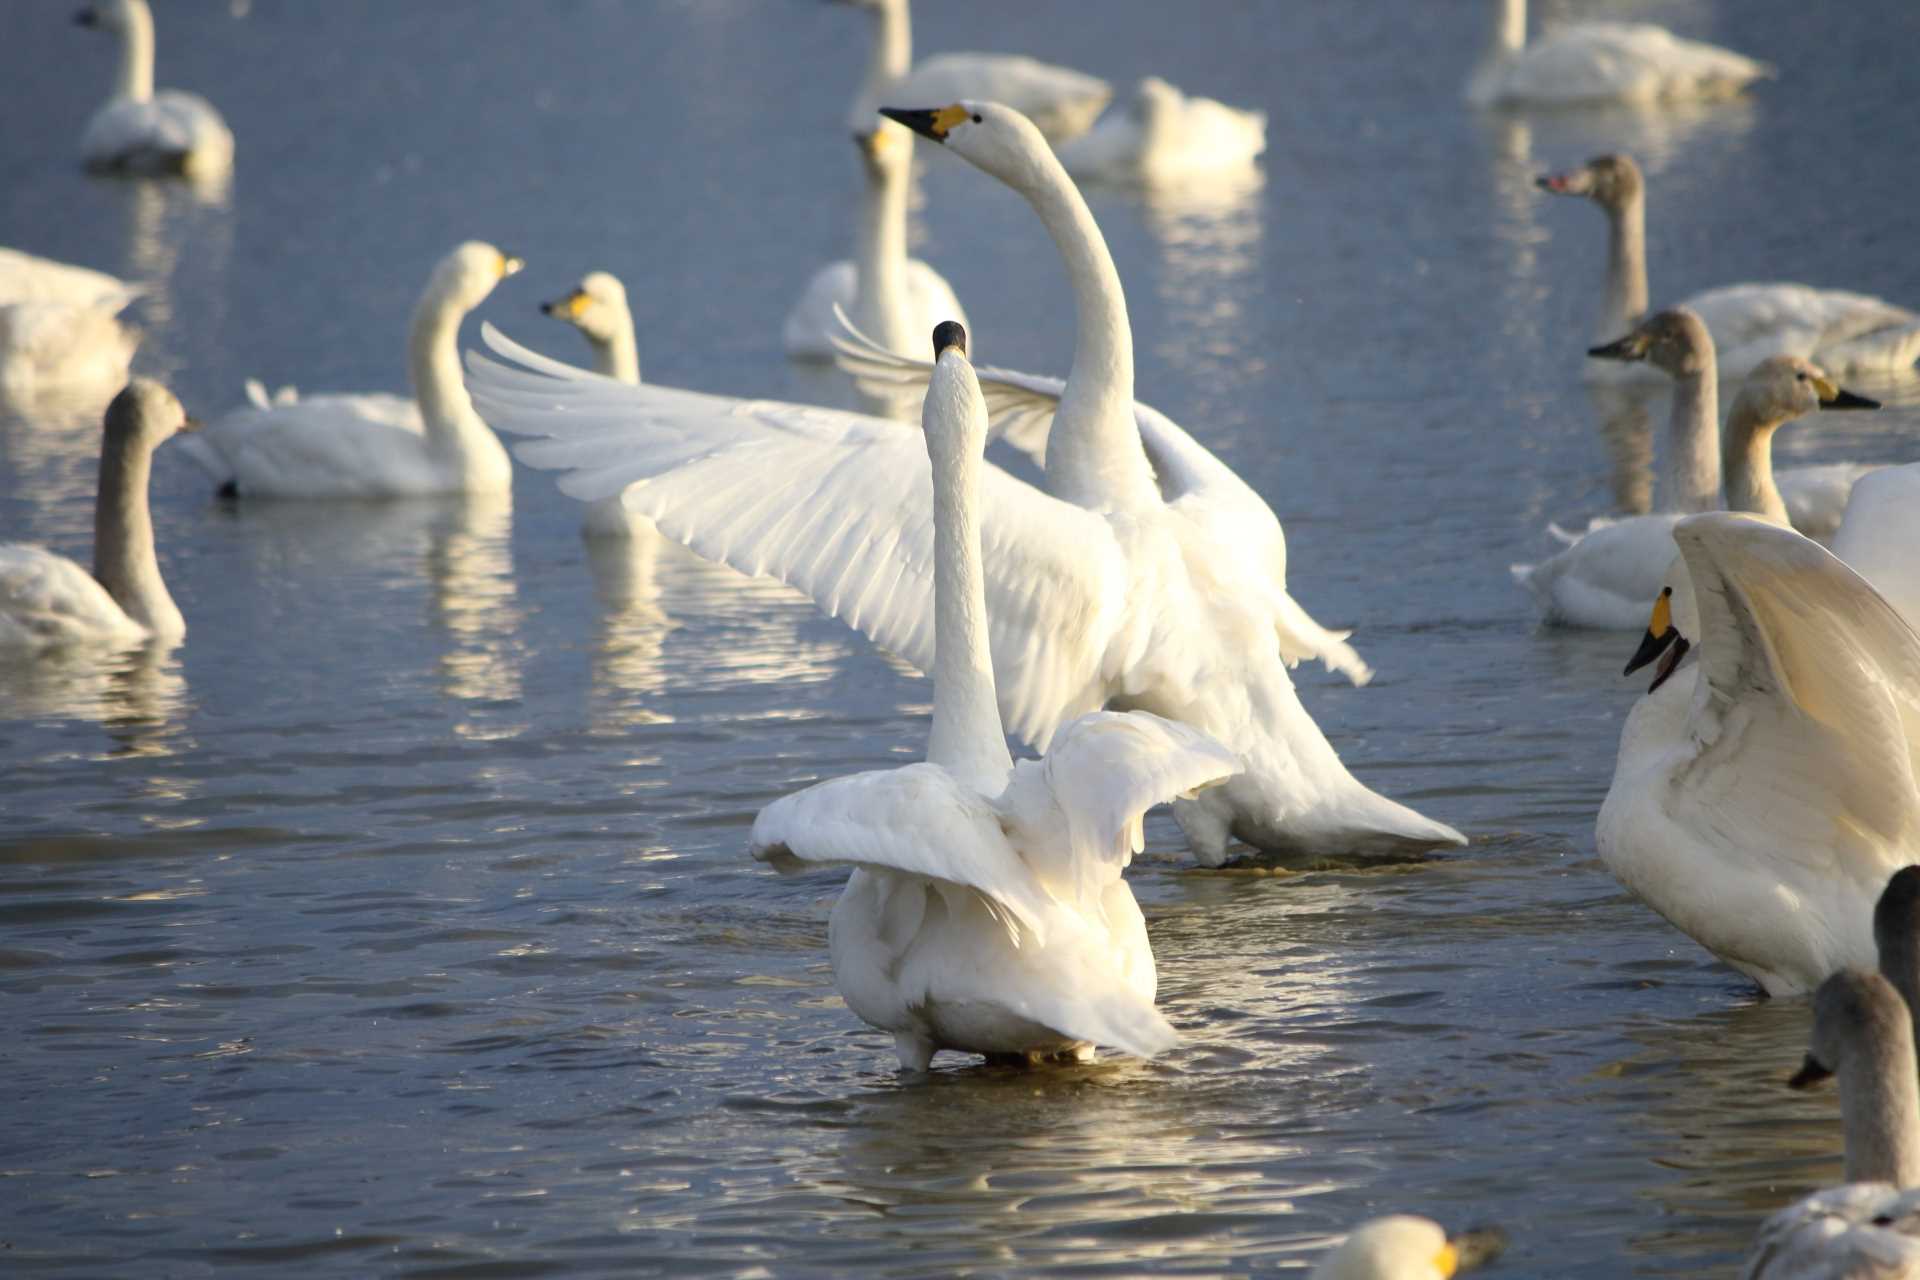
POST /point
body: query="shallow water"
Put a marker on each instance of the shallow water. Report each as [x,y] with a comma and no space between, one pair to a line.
[401,921]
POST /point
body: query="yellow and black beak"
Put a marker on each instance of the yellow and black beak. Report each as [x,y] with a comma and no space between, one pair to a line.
[1632,347]
[1812,1072]
[1662,637]
[936,123]
[567,308]
[1833,397]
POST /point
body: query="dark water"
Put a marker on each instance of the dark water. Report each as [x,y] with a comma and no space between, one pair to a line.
[401,923]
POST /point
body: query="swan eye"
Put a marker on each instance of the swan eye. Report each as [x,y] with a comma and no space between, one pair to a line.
[1800,377]
[976,119]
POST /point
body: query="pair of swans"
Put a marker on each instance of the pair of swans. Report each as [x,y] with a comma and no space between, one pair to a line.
[1146,575]
[1848,333]
[60,327]
[50,604]
[139,130]
[986,911]
[1606,577]
[1599,62]
[376,445]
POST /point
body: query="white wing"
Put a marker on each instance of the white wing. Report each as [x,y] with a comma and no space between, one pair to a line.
[1861,1231]
[1880,536]
[836,504]
[918,819]
[49,602]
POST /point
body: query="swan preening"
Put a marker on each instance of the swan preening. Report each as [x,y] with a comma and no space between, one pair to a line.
[1163,135]
[60,327]
[1847,333]
[986,911]
[1402,1246]
[896,298]
[1153,585]
[49,603]
[1599,62]
[377,445]
[140,130]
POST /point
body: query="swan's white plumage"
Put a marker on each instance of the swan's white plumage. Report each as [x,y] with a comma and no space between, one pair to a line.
[59,325]
[1764,794]
[1880,536]
[1060,101]
[48,602]
[1163,135]
[1860,1231]
[142,131]
[1605,578]
[1845,333]
[928,300]
[1591,62]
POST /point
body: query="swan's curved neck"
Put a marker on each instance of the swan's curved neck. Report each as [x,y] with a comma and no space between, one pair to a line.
[880,257]
[967,739]
[1880,1110]
[1094,457]
[135,80]
[1510,33]
[1625,301]
[1692,479]
[892,49]
[123,554]
[1747,461]
[617,356]
[454,430]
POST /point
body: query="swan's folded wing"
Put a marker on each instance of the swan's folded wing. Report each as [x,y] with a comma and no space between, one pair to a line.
[1879,537]
[919,820]
[836,504]
[1812,682]
[1862,1229]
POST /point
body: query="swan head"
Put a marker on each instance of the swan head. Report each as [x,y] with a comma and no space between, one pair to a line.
[954,414]
[1611,181]
[466,276]
[1854,1012]
[1676,341]
[596,307]
[1404,1247]
[1782,388]
[1154,99]
[987,135]
[886,150]
[114,15]
[145,415]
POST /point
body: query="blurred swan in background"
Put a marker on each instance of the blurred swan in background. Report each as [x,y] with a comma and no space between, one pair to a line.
[1593,62]
[142,131]
[1846,333]
[47,602]
[376,445]
[597,307]
[1162,135]
[1061,102]
[896,298]
[986,911]
[1767,788]
[1158,585]
[59,326]
[1879,537]
[1402,1246]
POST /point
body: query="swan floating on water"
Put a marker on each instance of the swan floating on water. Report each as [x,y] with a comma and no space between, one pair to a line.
[986,912]
[1158,586]
[1162,135]
[1402,1246]
[597,307]
[142,131]
[49,603]
[376,445]
[1846,333]
[59,326]
[1599,62]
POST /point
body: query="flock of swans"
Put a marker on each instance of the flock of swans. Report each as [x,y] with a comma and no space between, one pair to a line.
[1128,614]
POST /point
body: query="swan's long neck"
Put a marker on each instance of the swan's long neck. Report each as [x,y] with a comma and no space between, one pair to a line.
[1692,480]
[879,299]
[135,80]
[1747,461]
[967,739]
[1625,301]
[123,555]
[1510,33]
[617,356]
[1094,457]
[454,430]
[1880,1110]
[892,51]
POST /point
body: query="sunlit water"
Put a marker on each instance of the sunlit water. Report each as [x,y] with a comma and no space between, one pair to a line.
[401,922]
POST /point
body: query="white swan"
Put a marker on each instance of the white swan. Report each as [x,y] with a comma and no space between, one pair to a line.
[59,325]
[1847,333]
[1594,62]
[1879,535]
[1061,102]
[377,445]
[1765,792]
[1402,1246]
[1868,1229]
[1162,135]
[1608,576]
[899,297]
[597,307]
[1159,586]
[47,602]
[139,130]
[986,912]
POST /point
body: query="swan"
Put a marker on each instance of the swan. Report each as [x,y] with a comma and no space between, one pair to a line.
[597,307]
[1766,787]
[1153,585]
[1402,1246]
[139,130]
[986,911]
[1164,136]
[59,325]
[1605,577]
[1870,1227]
[1847,333]
[1595,62]
[377,445]
[1879,532]
[47,602]
[1061,102]
[896,298]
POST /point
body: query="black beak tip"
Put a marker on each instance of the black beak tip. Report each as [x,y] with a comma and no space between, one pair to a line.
[1848,400]
[920,121]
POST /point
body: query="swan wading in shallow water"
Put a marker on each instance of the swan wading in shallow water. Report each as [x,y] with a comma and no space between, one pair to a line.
[1153,586]
[376,445]
[597,307]
[1608,576]
[1402,1246]
[895,298]
[1868,1229]
[1598,62]
[59,326]
[47,602]
[1847,333]
[142,131]
[1162,135]
[986,911]
[1766,784]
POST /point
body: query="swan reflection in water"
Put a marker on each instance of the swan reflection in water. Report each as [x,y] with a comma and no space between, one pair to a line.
[138,696]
